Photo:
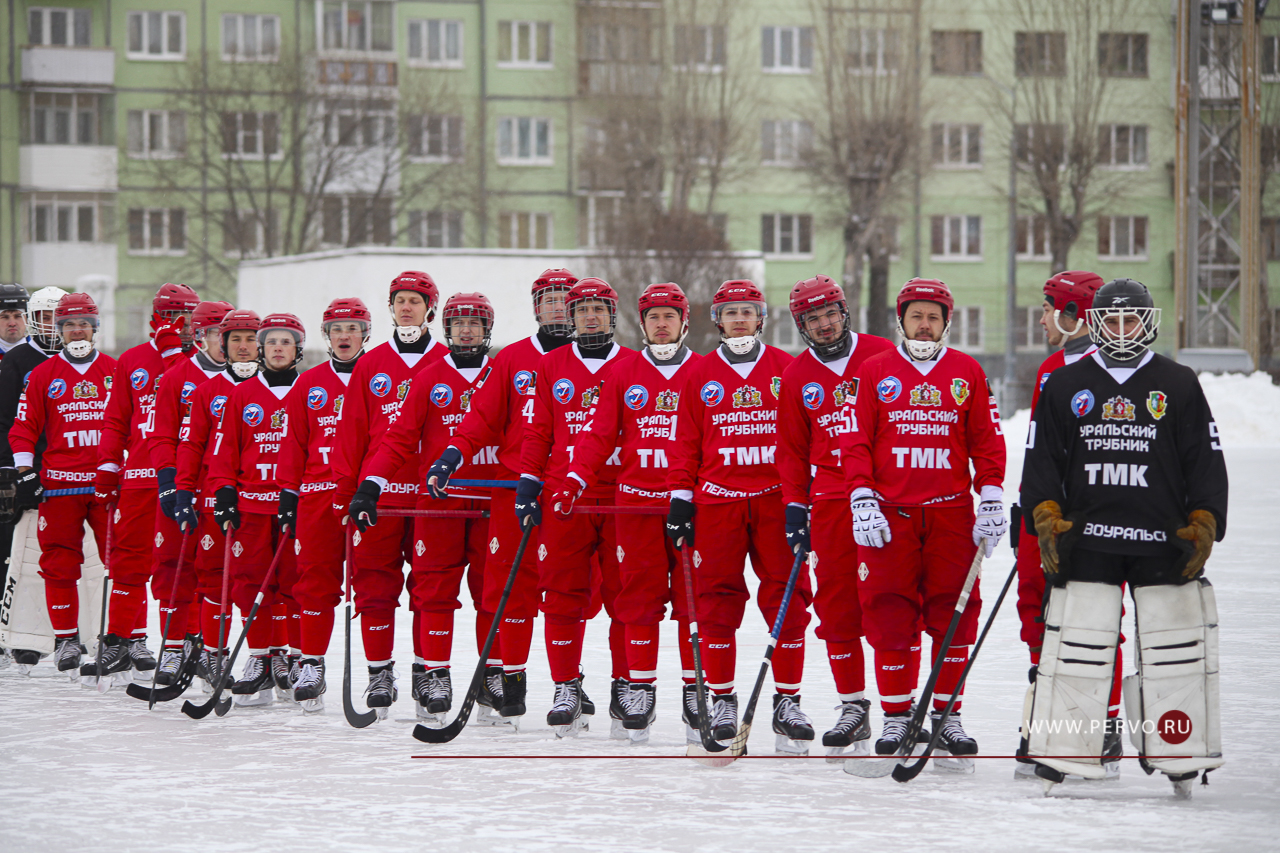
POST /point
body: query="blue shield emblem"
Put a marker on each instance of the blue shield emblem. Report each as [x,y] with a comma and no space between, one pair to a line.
[380,385]
[138,379]
[1082,403]
[252,414]
[316,398]
[523,380]
[441,395]
[636,397]
[813,395]
[712,394]
[57,388]
[562,391]
[217,404]
[889,389]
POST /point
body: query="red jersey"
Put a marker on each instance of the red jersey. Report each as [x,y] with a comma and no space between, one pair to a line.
[246,444]
[634,426]
[195,445]
[124,432]
[67,404]
[916,431]
[567,389]
[815,410]
[379,384]
[1059,358]
[437,403]
[172,408]
[727,445]
[312,407]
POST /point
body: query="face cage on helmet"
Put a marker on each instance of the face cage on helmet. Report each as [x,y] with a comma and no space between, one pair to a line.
[477,349]
[1122,347]
[595,339]
[555,330]
[835,345]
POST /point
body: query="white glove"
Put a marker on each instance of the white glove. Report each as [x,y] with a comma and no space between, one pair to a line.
[870,527]
[989,525]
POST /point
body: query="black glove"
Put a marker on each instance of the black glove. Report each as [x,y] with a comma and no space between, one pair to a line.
[441,470]
[28,491]
[226,510]
[185,511]
[165,482]
[287,514]
[8,490]
[1015,524]
[680,522]
[363,508]
[797,528]
[527,509]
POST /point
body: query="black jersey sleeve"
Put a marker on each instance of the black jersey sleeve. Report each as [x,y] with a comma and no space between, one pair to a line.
[1204,468]
[1044,463]
[10,391]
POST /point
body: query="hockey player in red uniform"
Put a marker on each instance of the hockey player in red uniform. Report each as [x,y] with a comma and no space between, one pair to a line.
[65,402]
[196,442]
[125,476]
[637,414]
[723,467]
[242,477]
[568,385]
[443,547]
[923,413]
[172,408]
[500,411]
[378,387]
[813,415]
[306,485]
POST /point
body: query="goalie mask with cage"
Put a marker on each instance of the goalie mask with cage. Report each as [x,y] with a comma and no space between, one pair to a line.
[274,325]
[549,292]
[592,306]
[468,324]
[736,301]
[40,312]
[1123,320]
[821,314]
[74,309]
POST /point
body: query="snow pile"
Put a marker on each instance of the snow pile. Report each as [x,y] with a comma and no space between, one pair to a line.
[1246,407]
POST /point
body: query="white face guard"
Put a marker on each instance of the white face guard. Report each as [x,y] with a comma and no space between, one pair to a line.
[410,334]
[244,369]
[80,349]
[923,350]
[744,344]
[1117,344]
[665,352]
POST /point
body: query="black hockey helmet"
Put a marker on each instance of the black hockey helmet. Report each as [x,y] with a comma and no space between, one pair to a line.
[1115,301]
[13,297]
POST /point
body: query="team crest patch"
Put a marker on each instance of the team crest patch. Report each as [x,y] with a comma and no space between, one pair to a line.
[775,385]
[812,395]
[636,397]
[316,398]
[380,385]
[84,390]
[42,524]
[524,382]
[747,397]
[666,400]
[590,397]
[402,390]
[297,547]
[493,545]
[57,388]
[279,419]
[355,538]
[253,414]
[337,404]
[159,539]
[1044,377]
[237,549]
[1117,409]
[188,388]
[846,392]
[562,391]
[542,553]
[863,572]
[138,379]
[464,400]
[420,548]
[959,391]
[712,394]
[106,381]
[926,395]
[217,404]
[1082,403]
[441,394]
[1157,404]
[206,542]
[697,560]
[889,389]
[620,554]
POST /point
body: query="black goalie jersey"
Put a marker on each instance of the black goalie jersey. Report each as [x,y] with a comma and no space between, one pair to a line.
[1131,458]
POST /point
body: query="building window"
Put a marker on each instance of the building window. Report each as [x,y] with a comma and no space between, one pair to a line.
[157,231]
[1122,145]
[1122,54]
[957,146]
[1033,238]
[966,327]
[872,51]
[435,138]
[1271,58]
[524,141]
[250,134]
[360,124]
[61,27]
[1039,144]
[786,234]
[1027,331]
[956,52]
[700,47]
[59,219]
[157,133]
[1040,54]
[356,221]
[1271,238]
[249,234]
[435,229]
[357,25]
[1270,149]
[157,35]
[1122,237]
[435,43]
[524,230]
[524,44]
[785,143]
[251,37]
[786,50]
[956,238]
[65,118]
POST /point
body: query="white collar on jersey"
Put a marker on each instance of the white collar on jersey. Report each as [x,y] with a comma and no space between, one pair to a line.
[923,366]
[1122,374]
[344,378]
[742,368]
[667,368]
[83,367]
[467,373]
[594,364]
[839,366]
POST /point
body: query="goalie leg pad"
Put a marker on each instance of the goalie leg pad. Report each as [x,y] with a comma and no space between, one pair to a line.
[1172,701]
[1073,681]
[24,617]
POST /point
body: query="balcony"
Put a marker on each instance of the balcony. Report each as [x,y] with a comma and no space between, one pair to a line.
[67,168]
[355,72]
[619,79]
[64,264]
[68,66]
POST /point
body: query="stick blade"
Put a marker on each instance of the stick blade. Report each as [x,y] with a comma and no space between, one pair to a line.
[710,759]
[870,768]
[426,734]
[198,712]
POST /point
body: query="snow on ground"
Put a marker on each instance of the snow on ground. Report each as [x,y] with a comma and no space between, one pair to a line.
[80,771]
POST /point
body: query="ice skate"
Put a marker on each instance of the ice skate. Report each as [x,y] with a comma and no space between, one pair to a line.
[893,732]
[851,735]
[956,742]
[724,717]
[565,716]
[26,659]
[171,659]
[67,655]
[255,688]
[489,702]
[514,689]
[382,690]
[689,713]
[1112,748]
[210,668]
[116,664]
[639,708]
[1184,784]
[5,660]
[281,675]
[309,688]
[435,697]
[588,707]
[144,662]
[792,726]
[618,689]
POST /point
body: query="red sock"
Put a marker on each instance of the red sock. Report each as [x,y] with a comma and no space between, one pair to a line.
[515,636]
[194,624]
[63,603]
[126,600]
[279,613]
[259,634]
[178,622]
[377,629]
[719,658]
[1113,706]
[949,678]
[295,627]
[788,665]
[484,621]
[209,620]
[418,652]
[895,678]
[642,653]
[618,648]
[849,667]
[564,648]
[140,622]
[315,631]
[914,671]
[686,652]
[437,636]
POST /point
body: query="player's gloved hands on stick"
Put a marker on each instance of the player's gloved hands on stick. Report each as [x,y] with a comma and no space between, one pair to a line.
[1049,526]
[563,500]
[989,525]
[797,528]
[363,509]
[680,522]
[287,513]
[1201,530]
[185,511]
[226,507]
[168,489]
[527,509]
[106,487]
[441,470]
[870,527]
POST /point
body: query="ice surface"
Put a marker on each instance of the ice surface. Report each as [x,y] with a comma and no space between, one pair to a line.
[79,771]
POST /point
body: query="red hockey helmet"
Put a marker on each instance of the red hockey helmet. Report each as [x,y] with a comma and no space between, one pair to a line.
[76,306]
[209,315]
[813,293]
[239,320]
[1071,292]
[418,282]
[585,290]
[667,295]
[737,291]
[552,281]
[468,305]
[926,290]
[283,321]
[347,309]
[170,301]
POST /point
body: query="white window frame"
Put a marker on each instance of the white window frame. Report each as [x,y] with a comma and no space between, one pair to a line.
[966,132]
[436,229]
[1269,58]
[965,319]
[956,230]
[878,36]
[532,28]
[241,135]
[242,22]
[420,29]
[790,139]
[166,216]
[509,229]
[1119,224]
[1036,229]
[54,207]
[149,123]
[448,129]
[384,125]
[1028,316]
[73,17]
[1135,132]
[347,222]
[786,226]
[705,36]
[508,136]
[345,48]
[144,22]
[776,38]
[99,114]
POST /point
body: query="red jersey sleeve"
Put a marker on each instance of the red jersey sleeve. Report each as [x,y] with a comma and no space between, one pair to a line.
[599,436]
[291,461]
[538,434]
[118,419]
[794,439]
[28,423]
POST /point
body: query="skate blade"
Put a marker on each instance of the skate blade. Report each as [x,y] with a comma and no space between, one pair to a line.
[953,764]
[574,729]
[142,676]
[639,736]
[1183,789]
[381,713]
[1025,772]
[312,706]
[261,699]
[691,735]
[25,668]
[837,754]
[784,745]
[285,697]
[617,731]
[486,716]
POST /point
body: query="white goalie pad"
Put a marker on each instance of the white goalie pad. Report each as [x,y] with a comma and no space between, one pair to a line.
[1172,700]
[24,617]
[1074,677]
